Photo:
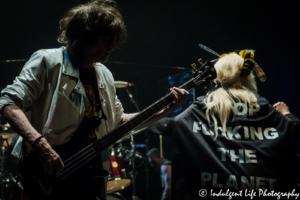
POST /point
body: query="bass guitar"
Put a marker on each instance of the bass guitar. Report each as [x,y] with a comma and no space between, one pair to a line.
[78,154]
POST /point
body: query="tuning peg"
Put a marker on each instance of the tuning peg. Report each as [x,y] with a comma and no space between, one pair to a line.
[194,66]
[203,80]
[206,67]
[200,61]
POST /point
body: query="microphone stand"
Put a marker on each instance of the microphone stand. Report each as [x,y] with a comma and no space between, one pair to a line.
[3,148]
[133,149]
[132,99]
[133,168]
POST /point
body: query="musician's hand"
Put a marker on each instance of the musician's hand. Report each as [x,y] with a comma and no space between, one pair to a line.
[50,159]
[180,96]
[19,122]
[282,107]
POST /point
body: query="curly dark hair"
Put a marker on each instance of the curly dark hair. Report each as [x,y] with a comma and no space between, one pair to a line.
[83,25]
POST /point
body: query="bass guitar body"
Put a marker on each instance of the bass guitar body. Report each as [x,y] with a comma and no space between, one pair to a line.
[71,183]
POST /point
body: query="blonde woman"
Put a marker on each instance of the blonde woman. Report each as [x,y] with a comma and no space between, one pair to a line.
[232,140]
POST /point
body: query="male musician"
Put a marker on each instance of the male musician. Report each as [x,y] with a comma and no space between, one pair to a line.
[163,166]
[61,87]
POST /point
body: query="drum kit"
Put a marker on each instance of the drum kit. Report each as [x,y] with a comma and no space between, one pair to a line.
[119,176]
[122,172]
[122,168]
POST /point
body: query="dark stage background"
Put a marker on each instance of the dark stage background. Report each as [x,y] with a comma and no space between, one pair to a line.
[163,35]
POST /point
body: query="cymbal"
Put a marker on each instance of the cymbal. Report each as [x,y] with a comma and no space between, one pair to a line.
[131,133]
[9,139]
[6,129]
[8,133]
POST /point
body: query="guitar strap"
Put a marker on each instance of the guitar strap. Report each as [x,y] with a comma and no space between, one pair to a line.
[96,186]
[98,105]
[98,108]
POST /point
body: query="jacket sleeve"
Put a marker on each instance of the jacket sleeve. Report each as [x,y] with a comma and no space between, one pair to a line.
[163,126]
[293,118]
[28,86]
[119,111]
[296,124]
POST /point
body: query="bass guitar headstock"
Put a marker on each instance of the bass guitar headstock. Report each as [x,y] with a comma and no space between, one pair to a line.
[204,74]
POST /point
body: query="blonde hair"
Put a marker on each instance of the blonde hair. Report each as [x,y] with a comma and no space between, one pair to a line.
[221,102]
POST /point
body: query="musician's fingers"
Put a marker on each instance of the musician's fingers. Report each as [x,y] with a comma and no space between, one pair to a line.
[182,94]
[174,94]
[59,167]
[179,100]
[61,164]
[276,105]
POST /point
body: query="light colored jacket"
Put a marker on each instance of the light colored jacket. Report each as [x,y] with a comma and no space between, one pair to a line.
[49,87]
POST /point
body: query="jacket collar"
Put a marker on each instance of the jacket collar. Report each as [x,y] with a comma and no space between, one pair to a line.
[68,68]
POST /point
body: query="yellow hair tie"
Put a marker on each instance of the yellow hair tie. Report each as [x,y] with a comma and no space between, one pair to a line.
[249,63]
